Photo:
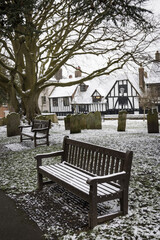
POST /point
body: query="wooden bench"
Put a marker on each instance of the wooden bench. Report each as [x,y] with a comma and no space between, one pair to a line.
[37,131]
[94,173]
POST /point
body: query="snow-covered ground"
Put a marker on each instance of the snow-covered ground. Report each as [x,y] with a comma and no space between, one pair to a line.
[61,215]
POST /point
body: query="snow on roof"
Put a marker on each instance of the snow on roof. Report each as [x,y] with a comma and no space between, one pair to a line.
[64,91]
[102,84]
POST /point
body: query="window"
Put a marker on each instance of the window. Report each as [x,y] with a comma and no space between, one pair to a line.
[55,102]
[65,101]
[83,87]
[83,108]
[96,97]
[43,99]
[122,89]
[123,101]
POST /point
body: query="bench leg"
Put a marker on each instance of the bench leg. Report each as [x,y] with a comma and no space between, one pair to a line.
[40,181]
[47,141]
[124,202]
[35,142]
[93,206]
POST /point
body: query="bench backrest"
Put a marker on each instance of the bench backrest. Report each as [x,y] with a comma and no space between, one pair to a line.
[38,124]
[96,159]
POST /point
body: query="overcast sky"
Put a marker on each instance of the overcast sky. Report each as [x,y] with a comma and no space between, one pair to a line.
[154,5]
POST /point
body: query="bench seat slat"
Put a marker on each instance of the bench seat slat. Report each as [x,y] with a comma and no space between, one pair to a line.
[65,179]
[76,180]
[69,177]
[111,188]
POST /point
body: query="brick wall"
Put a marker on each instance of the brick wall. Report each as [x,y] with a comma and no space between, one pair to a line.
[2,111]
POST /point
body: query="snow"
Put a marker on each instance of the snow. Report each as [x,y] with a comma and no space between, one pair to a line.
[16,147]
[154,6]
[63,216]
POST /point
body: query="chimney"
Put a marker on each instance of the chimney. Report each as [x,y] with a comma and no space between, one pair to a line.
[58,74]
[78,72]
[141,78]
[157,56]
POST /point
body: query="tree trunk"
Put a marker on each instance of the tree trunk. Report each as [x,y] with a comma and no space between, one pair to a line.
[13,102]
[30,106]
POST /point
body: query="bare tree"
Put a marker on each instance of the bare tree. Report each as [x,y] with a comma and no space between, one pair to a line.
[149,99]
[46,35]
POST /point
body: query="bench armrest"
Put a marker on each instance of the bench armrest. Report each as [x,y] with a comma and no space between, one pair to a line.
[48,155]
[108,178]
[24,126]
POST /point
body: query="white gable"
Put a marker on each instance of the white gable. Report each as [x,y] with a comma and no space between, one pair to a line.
[101,84]
[64,91]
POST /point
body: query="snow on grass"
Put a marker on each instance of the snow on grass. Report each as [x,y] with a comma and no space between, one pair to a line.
[16,147]
[52,210]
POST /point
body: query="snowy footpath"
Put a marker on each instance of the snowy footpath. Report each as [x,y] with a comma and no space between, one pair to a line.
[61,215]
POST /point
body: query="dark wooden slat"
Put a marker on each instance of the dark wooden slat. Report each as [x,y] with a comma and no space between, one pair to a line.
[121,165]
[91,162]
[108,217]
[99,164]
[112,164]
[78,158]
[95,163]
[69,153]
[85,159]
[117,165]
[75,156]
[107,165]
[103,165]
[81,159]
[88,160]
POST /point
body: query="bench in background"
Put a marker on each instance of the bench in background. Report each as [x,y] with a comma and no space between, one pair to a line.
[37,131]
[94,173]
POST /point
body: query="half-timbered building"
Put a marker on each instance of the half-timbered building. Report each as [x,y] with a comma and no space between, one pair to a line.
[108,94]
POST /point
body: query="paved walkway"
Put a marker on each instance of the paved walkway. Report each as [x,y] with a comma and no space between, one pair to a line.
[14,223]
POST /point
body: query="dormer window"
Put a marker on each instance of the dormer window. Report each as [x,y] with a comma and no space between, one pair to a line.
[83,87]
[96,97]
[123,89]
